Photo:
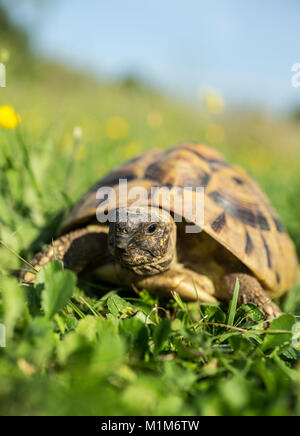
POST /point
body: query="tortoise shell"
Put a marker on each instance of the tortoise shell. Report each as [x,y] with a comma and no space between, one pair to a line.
[237,214]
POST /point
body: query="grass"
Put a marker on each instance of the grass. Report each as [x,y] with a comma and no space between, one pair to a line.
[76,348]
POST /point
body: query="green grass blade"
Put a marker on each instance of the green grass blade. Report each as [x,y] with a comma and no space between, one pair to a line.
[233,303]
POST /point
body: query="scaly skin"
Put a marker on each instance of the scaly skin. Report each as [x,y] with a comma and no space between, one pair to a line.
[76,250]
[251,291]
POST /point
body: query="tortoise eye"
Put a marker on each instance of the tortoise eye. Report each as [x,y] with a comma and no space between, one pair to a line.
[121,229]
[151,229]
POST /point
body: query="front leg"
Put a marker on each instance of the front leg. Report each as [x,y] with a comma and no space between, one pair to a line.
[188,284]
[76,250]
[251,291]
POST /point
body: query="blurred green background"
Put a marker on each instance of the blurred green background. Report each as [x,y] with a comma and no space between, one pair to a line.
[44,169]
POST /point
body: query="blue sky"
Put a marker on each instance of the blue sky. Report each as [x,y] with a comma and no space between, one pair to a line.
[243,48]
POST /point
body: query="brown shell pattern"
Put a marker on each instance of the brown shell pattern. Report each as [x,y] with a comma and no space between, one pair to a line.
[237,213]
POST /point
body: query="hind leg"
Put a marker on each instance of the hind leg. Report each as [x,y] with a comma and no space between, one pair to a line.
[250,292]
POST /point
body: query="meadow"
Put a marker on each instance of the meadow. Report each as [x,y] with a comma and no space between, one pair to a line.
[79,348]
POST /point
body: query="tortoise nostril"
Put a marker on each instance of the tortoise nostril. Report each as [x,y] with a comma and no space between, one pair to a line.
[121,243]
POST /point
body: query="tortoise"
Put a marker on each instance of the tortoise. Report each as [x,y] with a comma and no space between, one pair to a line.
[241,238]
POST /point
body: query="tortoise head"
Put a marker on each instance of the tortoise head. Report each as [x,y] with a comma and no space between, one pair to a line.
[143,239]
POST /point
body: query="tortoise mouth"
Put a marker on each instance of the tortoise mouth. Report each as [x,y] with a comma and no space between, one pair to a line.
[143,262]
[133,257]
[147,268]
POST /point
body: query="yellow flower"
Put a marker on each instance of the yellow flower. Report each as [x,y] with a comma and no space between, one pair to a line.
[213,101]
[4,55]
[26,367]
[132,149]
[8,118]
[117,128]
[154,120]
